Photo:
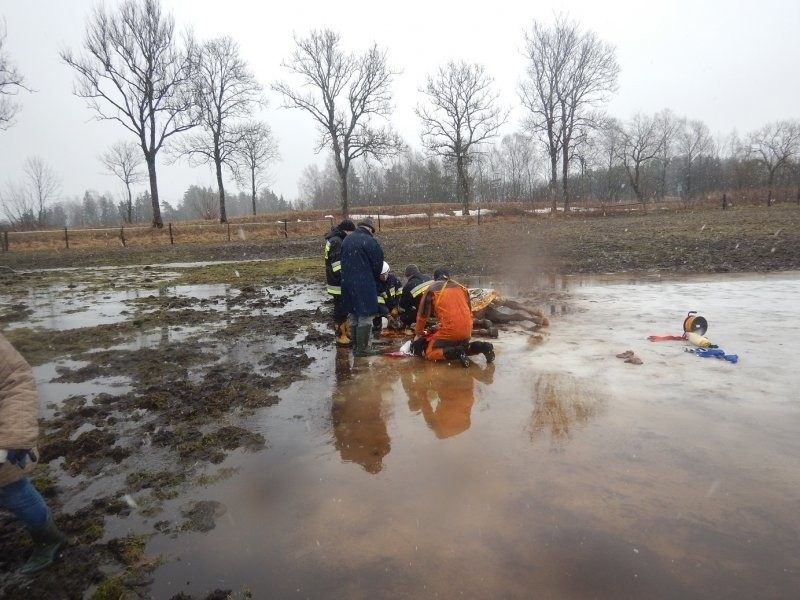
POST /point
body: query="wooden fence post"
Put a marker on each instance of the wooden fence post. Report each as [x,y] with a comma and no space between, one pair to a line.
[285,228]
[479,215]
[5,241]
[66,238]
[171,239]
[229,231]
[122,235]
[379,220]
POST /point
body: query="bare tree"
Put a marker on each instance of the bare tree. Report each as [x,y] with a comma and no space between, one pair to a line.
[609,148]
[135,73]
[345,93]
[123,160]
[202,201]
[774,146]
[19,206]
[570,73]
[225,91]
[25,203]
[668,126]
[257,149]
[11,83]
[42,183]
[693,141]
[464,114]
[540,96]
[641,142]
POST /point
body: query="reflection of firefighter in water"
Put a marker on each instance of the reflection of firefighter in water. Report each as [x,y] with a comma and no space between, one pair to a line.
[445,399]
[359,425]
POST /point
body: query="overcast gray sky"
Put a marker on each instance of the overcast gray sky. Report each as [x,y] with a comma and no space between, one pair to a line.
[732,64]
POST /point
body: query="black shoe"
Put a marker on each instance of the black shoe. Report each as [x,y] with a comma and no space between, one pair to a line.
[464,359]
[489,354]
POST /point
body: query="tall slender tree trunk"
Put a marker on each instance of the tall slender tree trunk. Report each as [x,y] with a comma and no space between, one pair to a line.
[223,218]
[769,187]
[151,171]
[462,185]
[564,178]
[343,189]
[130,202]
[253,187]
[554,180]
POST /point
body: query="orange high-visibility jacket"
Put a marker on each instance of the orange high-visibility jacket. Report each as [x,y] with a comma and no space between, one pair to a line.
[448,302]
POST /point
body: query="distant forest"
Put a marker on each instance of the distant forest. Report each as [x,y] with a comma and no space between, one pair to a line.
[197,100]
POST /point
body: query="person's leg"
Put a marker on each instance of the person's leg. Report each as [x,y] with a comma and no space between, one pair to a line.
[362,325]
[340,323]
[377,325]
[439,349]
[27,504]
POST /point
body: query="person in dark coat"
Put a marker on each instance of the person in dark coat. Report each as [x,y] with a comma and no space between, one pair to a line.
[411,294]
[362,263]
[333,275]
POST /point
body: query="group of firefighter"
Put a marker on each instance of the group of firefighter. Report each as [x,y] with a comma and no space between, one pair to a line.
[364,291]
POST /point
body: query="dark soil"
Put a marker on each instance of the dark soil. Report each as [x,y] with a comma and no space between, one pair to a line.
[188,403]
[700,241]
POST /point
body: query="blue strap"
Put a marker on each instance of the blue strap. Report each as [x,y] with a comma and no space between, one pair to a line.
[715,352]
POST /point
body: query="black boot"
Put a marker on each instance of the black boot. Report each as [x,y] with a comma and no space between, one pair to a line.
[484,348]
[457,353]
[362,347]
[47,541]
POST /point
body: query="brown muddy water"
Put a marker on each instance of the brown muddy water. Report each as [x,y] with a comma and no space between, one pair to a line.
[561,471]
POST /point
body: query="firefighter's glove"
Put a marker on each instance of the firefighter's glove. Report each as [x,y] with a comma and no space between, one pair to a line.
[18,457]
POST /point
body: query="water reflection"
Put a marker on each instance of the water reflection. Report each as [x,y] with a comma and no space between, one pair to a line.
[444,401]
[358,413]
[562,403]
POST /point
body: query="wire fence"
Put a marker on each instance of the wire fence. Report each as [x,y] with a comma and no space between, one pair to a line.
[295,225]
[207,232]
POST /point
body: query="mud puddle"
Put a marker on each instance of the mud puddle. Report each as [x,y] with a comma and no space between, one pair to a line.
[201,449]
[560,469]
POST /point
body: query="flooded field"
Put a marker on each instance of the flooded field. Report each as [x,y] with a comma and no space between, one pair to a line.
[560,471]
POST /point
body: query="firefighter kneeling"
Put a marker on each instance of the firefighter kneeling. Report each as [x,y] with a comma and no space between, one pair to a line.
[447,302]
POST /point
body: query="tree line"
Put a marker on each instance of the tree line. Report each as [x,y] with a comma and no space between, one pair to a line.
[196,100]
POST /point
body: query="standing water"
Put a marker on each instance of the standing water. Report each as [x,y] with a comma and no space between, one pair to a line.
[561,471]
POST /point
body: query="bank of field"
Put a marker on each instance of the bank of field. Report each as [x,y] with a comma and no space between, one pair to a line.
[699,240]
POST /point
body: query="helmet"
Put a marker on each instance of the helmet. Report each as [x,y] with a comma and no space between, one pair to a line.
[385,268]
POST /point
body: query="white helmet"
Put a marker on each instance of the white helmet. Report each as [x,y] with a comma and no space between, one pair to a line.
[385,268]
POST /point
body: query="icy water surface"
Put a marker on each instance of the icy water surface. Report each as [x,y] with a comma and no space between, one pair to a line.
[559,472]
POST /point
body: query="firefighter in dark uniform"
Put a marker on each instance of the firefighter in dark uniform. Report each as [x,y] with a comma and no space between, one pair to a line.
[333,274]
[389,291]
[416,284]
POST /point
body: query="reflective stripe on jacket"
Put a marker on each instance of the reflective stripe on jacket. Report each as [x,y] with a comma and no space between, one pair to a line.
[333,263]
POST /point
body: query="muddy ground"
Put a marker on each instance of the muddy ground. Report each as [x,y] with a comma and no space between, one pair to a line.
[187,401]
